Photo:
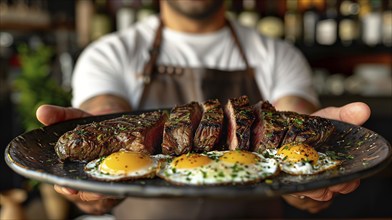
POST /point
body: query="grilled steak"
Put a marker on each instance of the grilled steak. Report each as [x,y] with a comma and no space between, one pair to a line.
[141,133]
[239,121]
[273,129]
[307,129]
[179,129]
[209,132]
[269,127]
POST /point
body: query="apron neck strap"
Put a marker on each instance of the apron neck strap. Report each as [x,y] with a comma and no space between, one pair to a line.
[155,50]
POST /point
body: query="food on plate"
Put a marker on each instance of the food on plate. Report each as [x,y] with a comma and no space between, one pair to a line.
[301,159]
[273,128]
[180,127]
[124,165]
[218,168]
[269,127]
[239,122]
[139,133]
[209,132]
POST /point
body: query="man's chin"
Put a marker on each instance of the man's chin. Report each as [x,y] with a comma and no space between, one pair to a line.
[197,10]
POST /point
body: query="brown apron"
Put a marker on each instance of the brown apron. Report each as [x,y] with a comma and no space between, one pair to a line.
[167,86]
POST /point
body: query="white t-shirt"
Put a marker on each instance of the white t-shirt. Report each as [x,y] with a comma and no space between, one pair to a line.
[114,63]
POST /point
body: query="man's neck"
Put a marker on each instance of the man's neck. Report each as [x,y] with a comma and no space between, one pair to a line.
[179,22]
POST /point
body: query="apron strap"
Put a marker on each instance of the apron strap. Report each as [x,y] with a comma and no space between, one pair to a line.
[154,53]
[238,43]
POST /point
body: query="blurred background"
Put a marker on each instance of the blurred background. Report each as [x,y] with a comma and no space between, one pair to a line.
[347,43]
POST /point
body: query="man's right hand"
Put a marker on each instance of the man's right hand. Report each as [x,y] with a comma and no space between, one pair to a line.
[88,202]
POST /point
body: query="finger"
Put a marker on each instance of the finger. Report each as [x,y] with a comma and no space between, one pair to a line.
[50,114]
[318,195]
[355,113]
[64,190]
[345,187]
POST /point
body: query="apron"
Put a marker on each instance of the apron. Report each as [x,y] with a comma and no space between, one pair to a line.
[168,86]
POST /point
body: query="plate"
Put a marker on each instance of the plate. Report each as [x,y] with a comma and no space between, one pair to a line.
[32,155]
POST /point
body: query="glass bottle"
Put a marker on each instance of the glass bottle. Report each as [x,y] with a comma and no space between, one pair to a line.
[348,24]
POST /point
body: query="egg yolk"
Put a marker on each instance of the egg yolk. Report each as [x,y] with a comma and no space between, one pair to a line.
[190,161]
[242,157]
[298,153]
[124,161]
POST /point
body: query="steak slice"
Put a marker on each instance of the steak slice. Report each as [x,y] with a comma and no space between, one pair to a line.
[239,122]
[209,132]
[311,130]
[272,128]
[179,129]
[269,127]
[140,133]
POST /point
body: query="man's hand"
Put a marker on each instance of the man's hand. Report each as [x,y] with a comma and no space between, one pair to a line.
[88,202]
[316,200]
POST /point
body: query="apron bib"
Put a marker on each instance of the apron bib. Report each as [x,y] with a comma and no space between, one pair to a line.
[168,86]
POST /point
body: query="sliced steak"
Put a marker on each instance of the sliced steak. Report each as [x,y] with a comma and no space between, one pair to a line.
[307,129]
[239,122]
[141,133]
[269,127]
[179,129]
[273,129]
[209,132]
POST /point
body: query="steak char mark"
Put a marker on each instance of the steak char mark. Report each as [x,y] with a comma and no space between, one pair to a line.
[272,128]
[209,132]
[269,128]
[179,129]
[139,133]
[239,122]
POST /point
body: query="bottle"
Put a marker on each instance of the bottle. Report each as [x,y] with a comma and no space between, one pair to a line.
[387,25]
[271,24]
[348,25]
[146,9]
[248,17]
[292,22]
[125,15]
[326,27]
[101,22]
[371,23]
[310,18]
[230,13]
[83,22]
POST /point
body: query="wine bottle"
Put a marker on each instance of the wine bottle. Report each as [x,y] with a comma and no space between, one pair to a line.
[387,25]
[146,9]
[249,16]
[125,15]
[348,25]
[371,23]
[271,24]
[310,18]
[101,22]
[292,22]
[326,27]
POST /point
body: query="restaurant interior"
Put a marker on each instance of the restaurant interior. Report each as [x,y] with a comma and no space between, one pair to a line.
[346,42]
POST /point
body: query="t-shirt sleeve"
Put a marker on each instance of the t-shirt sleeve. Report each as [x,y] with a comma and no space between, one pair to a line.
[292,74]
[98,71]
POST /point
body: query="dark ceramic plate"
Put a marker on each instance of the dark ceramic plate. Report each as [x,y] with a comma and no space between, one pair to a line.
[32,155]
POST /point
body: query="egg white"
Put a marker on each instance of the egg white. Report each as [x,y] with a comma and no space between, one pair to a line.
[218,172]
[93,169]
[303,168]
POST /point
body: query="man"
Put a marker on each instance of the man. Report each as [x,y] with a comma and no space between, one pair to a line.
[195,54]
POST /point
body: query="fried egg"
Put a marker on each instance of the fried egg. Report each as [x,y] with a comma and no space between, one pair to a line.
[124,165]
[301,159]
[218,168]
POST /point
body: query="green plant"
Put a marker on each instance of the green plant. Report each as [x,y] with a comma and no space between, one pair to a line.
[35,84]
